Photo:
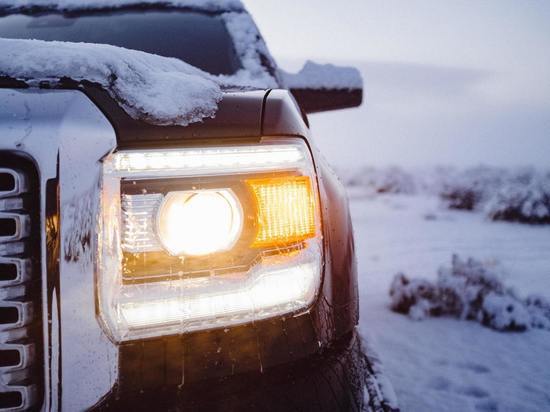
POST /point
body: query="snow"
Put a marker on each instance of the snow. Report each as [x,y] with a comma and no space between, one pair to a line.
[323,76]
[251,49]
[149,87]
[446,364]
[68,5]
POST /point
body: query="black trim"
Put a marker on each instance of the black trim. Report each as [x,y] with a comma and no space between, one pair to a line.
[53,247]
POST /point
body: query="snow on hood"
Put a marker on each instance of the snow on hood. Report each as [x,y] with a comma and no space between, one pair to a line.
[67,5]
[323,76]
[160,90]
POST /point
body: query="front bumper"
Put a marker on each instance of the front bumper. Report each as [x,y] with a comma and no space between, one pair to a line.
[341,378]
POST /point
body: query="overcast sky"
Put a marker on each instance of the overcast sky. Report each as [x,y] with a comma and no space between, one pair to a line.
[462,82]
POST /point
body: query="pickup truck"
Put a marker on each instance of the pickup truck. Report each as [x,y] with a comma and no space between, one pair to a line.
[167,267]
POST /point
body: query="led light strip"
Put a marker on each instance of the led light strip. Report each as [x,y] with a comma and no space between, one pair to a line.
[292,287]
[209,160]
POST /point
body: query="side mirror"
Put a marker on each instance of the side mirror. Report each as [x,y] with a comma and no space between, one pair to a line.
[324,87]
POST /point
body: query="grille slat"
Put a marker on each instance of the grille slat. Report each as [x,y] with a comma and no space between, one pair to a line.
[16,356]
[16,377]
[13,292]
[18,398]
[12,335]
[14,227]
[20,323]
[15,314]
[15,248]
[13,182]
[14,271]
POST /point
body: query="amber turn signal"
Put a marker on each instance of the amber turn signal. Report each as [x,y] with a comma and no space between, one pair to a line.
[286,210]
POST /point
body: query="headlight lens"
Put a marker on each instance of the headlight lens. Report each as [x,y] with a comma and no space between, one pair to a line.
[192,239]
[197,223]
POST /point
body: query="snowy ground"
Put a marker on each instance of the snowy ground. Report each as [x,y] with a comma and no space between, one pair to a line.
[444,364]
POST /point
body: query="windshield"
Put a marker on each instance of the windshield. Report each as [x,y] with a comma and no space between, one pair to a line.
[197,38]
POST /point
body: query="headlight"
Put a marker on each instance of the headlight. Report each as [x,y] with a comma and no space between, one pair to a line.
[198,238]
[199,222]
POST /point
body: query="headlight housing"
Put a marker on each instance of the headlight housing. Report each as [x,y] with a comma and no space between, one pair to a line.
[205,237]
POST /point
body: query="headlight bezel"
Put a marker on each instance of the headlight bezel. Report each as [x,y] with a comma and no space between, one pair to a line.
[309,257]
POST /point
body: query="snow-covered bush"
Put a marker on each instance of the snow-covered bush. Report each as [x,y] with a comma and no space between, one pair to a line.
[416,297]
[514,196]
[539,309]
[469,189]
[502,194]
[387,180]
[469,290]
[524,198]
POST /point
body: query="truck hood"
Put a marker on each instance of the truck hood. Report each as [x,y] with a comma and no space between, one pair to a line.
[239,115]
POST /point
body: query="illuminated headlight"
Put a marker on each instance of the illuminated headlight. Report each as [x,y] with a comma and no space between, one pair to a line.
[199,222]
[199,238]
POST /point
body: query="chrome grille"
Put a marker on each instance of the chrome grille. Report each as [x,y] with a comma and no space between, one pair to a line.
[20,324]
